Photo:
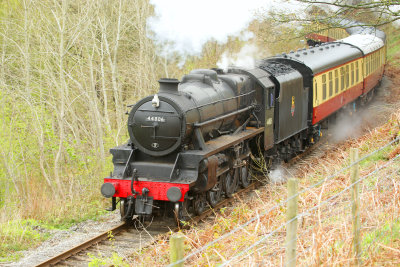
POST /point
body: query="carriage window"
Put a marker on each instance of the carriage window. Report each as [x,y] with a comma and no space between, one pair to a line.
[330,84]
[342,78]
[347,76]
[370,65]
[352,73]
[315,89]
[336,82]
[323,86]
[367,66]
[357,75]
[373,63]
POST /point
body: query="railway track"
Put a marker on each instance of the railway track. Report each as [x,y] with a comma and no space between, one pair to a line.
[126,238]
[83,246]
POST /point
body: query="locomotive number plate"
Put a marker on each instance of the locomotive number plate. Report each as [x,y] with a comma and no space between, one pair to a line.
[155,118]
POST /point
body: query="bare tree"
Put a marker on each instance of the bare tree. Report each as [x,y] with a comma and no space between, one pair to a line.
[67,71]
[369,13]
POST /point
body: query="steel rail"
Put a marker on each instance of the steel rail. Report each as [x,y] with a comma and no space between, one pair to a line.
[196,219]
[75,250]
[66,254]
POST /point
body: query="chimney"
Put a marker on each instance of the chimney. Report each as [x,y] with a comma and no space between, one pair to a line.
[168,85]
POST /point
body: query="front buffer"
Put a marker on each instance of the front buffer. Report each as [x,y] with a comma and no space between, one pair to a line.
[138,197]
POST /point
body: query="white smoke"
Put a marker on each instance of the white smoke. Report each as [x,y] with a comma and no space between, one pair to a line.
[279,175]
[187,25]
[183,26]
[245,58]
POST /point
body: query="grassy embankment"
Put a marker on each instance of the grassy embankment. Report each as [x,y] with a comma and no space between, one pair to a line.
[66,77]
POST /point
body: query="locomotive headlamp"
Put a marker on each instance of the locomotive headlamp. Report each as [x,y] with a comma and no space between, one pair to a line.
[156,101]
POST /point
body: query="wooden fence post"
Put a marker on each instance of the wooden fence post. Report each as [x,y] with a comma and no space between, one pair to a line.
[176,249]
[355,208]
[291,228]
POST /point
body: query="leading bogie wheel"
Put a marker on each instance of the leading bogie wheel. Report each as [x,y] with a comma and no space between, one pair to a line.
[181,214]
[199,204]
[123,209]
[245,176]
[231,180]
[214,194]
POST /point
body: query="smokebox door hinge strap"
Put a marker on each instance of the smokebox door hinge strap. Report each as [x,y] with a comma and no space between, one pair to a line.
[127,168]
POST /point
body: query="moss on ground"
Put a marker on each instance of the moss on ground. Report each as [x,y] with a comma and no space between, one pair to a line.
[20,235]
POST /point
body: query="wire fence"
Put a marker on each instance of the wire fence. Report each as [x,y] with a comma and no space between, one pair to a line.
[307,212]
[330,205]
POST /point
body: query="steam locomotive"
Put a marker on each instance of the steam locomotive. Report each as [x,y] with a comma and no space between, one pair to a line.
[190,144]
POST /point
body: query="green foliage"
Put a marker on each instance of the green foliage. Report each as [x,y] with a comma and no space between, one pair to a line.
[385,234]
[54,132]
[393,42]
[118,261]
[96,261]
[92,210]
[375,157]
[7,7]
[100,260]
[19,235]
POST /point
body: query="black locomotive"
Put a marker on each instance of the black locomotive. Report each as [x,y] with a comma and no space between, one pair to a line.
[190,143]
